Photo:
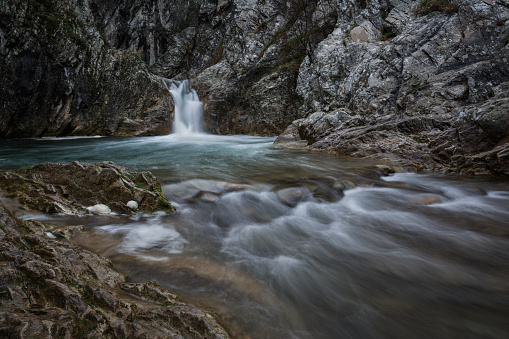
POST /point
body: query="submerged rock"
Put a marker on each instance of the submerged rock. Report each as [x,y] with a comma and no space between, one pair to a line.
[54,289]
[71,188]
[425,199]
[293,195]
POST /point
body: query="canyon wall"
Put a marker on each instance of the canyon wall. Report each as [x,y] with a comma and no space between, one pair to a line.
[424,82]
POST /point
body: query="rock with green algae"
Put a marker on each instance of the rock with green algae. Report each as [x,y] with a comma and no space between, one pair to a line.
[52,289]
[72,187]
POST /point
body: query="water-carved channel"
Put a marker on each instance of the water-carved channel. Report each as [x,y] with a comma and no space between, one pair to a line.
[283,244]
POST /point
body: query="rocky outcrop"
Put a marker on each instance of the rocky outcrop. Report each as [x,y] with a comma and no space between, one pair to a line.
[91,68]
[74,187]
[52,289]
[429,90]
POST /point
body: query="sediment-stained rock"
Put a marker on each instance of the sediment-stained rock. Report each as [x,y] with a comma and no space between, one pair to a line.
[74,187]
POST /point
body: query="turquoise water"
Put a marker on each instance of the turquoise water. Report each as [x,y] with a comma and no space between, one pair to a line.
[293,244]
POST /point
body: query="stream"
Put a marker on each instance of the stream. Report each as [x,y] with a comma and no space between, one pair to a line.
[296,244]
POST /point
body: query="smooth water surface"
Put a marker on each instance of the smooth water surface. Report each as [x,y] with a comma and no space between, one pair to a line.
[290,244]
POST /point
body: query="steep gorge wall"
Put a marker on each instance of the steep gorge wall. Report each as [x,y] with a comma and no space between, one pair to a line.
[81,68]
[252,87]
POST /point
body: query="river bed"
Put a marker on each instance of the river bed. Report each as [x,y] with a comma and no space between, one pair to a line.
[295,244]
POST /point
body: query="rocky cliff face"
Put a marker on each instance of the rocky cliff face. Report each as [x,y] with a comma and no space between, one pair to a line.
[394,81]
[252,89]
[59,76]
[82,68]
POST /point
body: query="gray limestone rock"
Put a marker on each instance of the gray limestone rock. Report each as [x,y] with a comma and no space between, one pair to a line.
[447,68]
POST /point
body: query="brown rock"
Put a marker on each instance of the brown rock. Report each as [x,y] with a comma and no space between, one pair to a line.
[71,188]
[77,294]
[425,199]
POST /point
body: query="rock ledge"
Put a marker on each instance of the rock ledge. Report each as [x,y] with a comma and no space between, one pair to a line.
[71,188]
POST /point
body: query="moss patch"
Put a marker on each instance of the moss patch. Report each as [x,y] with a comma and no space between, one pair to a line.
[428,6]
[387,33]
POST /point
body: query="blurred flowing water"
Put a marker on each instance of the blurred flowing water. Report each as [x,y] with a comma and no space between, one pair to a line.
[188,118]
[292,244]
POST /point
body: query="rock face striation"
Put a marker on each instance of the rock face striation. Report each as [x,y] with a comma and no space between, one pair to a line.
[425,82]
[52,289]
[60,76]
[74,187]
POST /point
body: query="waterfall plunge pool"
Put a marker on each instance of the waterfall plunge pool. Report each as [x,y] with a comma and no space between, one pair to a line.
[294,244]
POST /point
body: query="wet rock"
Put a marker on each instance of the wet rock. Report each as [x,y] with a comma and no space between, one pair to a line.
[71,188]
[204,190]
[327,188]
[293,195]
[290,137]
[101,297]
[63,296]
[385,170]
[151,291]
[67,232]
[77,294]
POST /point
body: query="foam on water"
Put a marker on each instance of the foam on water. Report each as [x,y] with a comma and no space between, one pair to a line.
[148,236]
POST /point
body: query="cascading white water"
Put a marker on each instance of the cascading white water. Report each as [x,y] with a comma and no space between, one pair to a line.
[188,107]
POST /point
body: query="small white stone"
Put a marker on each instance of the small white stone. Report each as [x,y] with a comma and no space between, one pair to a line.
[99,208]
[50,235]
[132,204]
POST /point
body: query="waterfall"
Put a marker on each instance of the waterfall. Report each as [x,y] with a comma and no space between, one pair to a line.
[188,107]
